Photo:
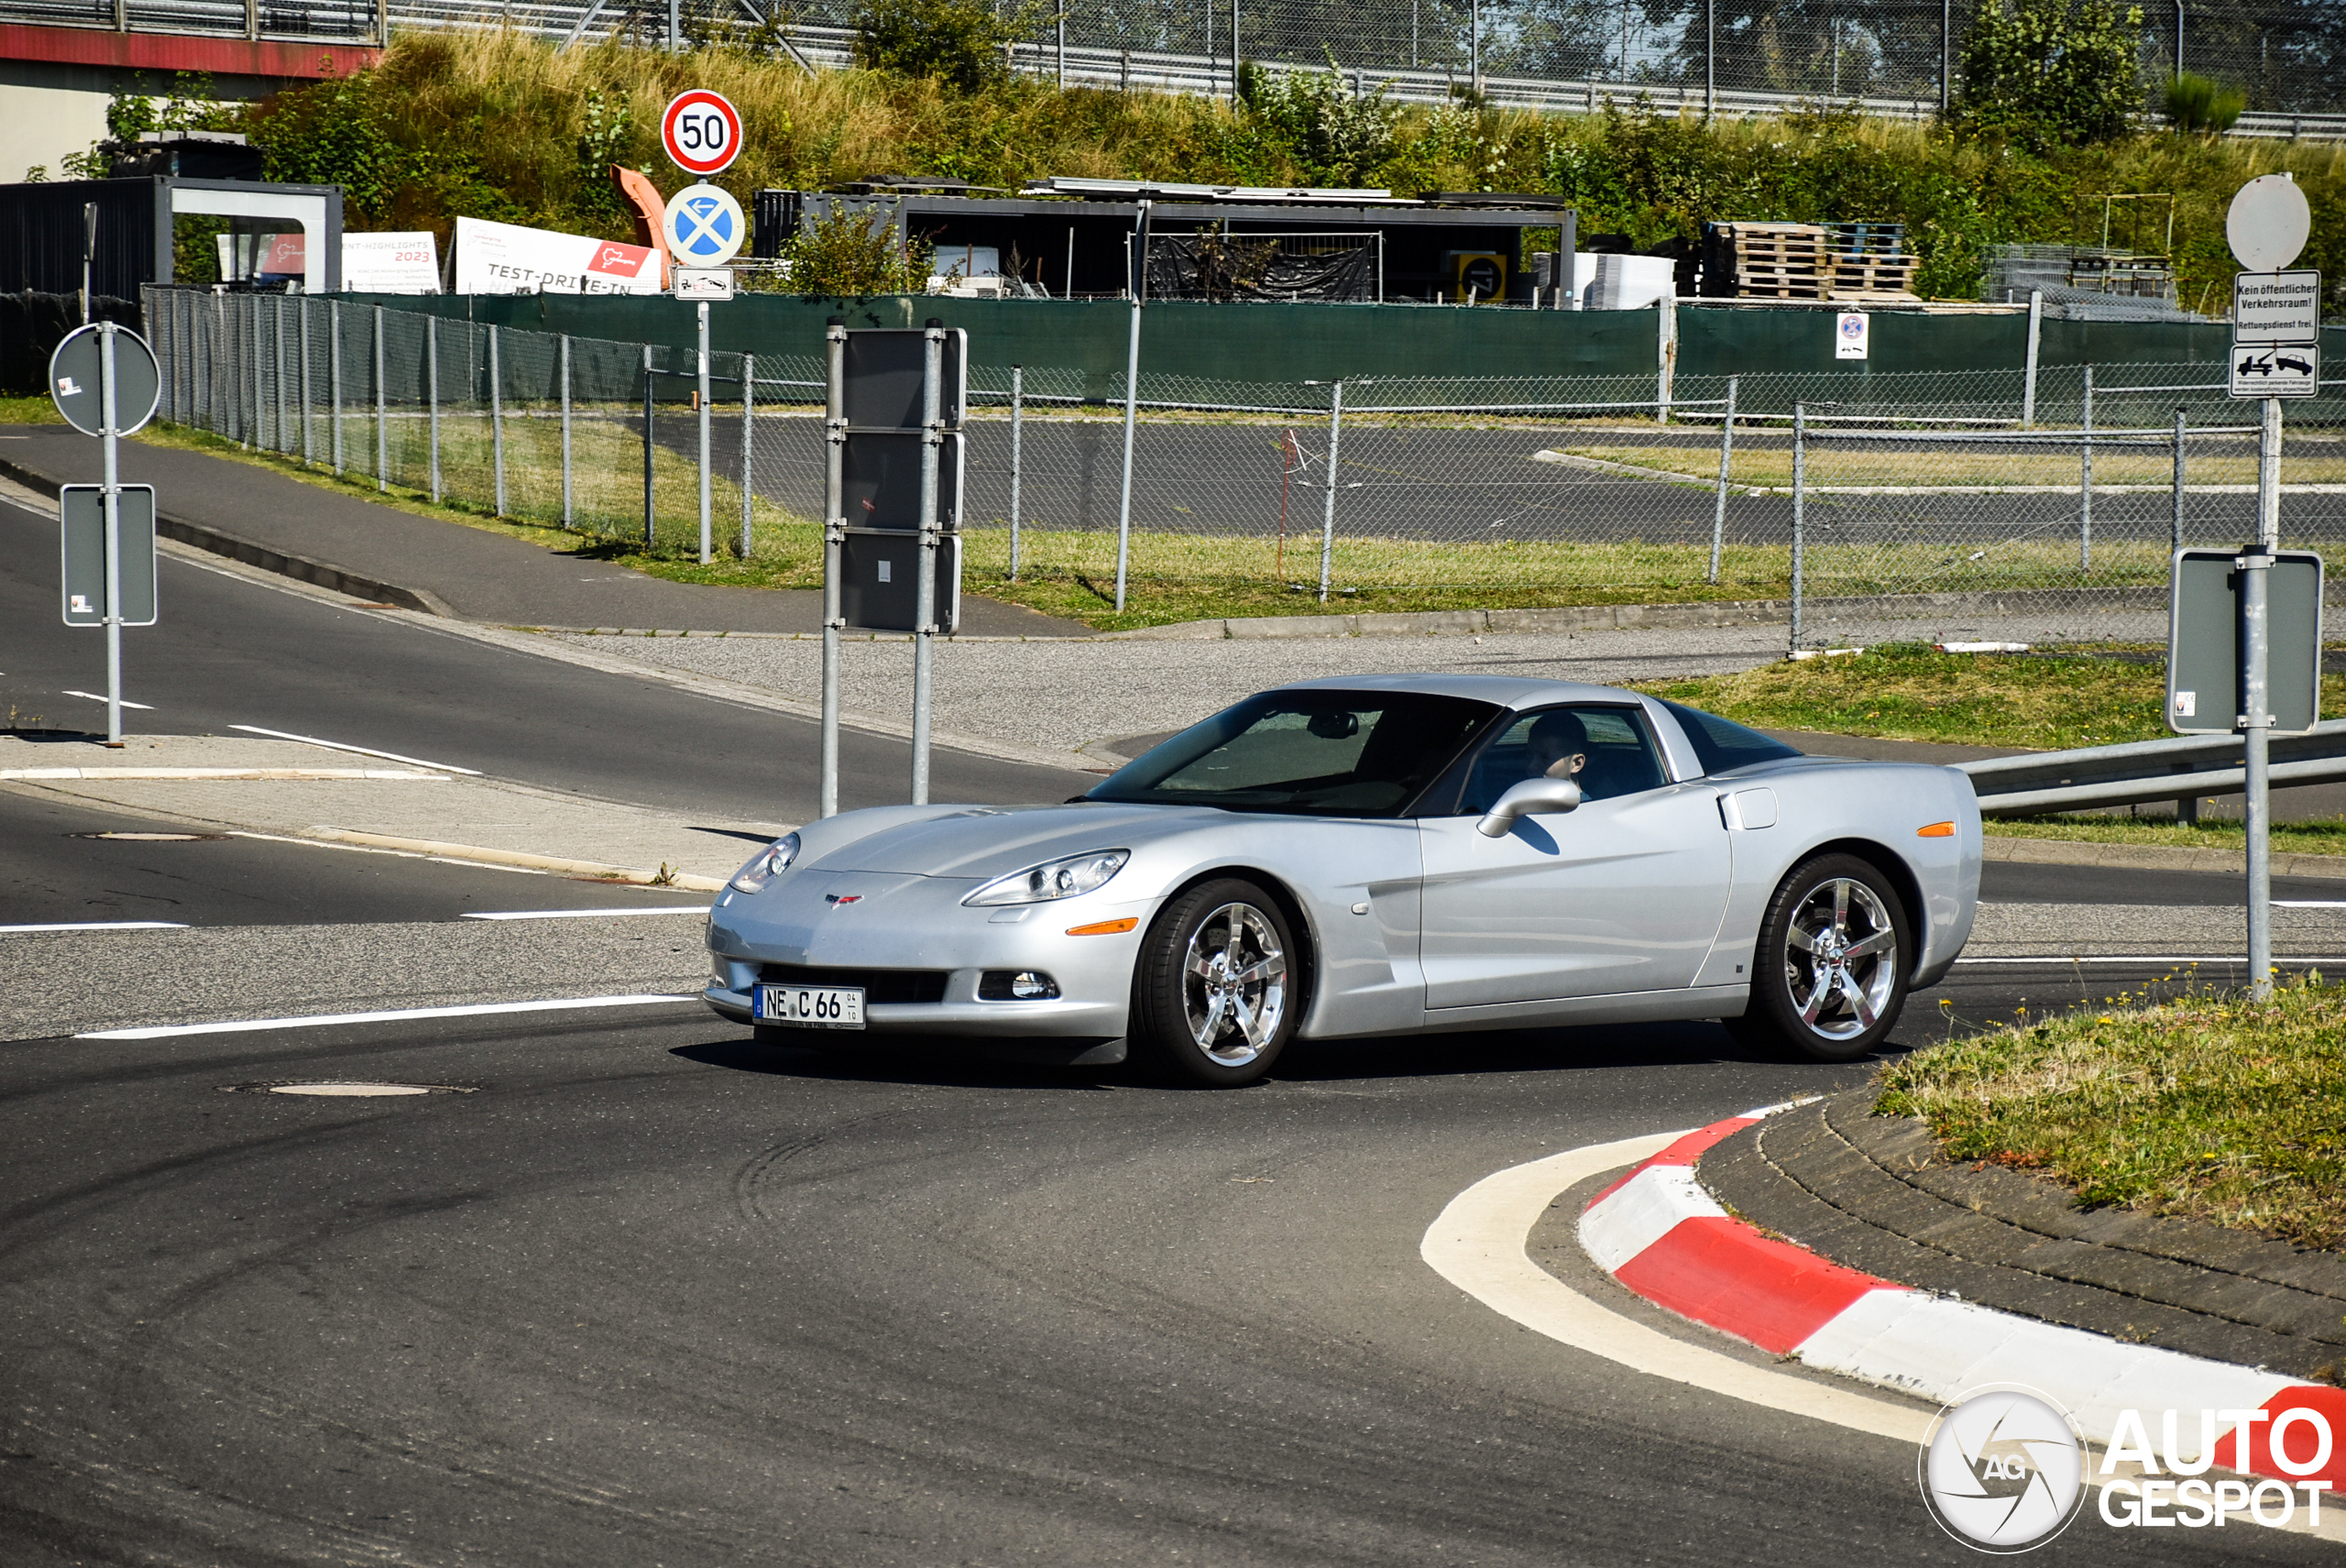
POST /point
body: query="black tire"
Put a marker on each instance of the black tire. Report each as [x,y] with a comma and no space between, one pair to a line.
[1189,1018]
[1802,1003]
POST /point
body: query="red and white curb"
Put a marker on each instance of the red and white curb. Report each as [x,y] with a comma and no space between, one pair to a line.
[1660,1234]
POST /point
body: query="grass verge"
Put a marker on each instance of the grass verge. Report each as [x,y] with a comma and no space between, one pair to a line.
[2323,838]
[2190,1104]
[1912,692]
[36,410]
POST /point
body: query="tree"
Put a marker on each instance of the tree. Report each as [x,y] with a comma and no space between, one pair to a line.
[2051,70]
[960,43]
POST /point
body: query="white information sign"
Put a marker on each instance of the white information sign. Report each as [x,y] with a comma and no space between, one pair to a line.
[506,258]
[704,226]
[704,282]
[2268,223]
[1850,332]
[2276,307]
[391,263]
[2275,369]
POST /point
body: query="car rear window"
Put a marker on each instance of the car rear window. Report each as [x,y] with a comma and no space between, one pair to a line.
[1721,744]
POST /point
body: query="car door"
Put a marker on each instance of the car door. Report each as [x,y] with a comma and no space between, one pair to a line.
[1622,895]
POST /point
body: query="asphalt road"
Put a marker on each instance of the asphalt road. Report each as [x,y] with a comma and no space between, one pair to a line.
[652,1294]
[230,651]
[59,869]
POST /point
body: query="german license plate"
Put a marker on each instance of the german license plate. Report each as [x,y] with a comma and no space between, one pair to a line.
[810,1007]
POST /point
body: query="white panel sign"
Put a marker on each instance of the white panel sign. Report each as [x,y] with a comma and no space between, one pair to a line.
[391,263]
[2276,307]
[704,282]
[1850,332]
[505,258]
[2276,371]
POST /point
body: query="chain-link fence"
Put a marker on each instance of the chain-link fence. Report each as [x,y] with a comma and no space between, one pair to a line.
[1938,500]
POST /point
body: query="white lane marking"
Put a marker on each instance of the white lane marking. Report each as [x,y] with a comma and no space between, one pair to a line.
[1477,1246]
[2309,903]
[105,926]
[101,696]
[582,914]
[362,750]
[320,1020]
[401,854]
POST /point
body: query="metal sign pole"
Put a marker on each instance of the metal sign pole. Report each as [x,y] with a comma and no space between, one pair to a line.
[2256,717]
[1135,284]
[1800,510]
[932,450]
[109,383]
[704,556]
[1017,456]
[834,536]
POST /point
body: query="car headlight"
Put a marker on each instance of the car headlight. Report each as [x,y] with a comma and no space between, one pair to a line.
[1053,879]
[766,864]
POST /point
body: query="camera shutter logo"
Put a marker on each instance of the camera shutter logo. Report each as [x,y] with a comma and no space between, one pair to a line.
[2002,1470]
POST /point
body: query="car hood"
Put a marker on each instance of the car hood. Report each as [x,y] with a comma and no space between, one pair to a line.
[983,842]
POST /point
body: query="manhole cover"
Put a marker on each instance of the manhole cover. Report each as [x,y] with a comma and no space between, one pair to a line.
[345,1091]
[153,838]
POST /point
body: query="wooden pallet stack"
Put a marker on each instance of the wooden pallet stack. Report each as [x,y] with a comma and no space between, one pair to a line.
[1806,262]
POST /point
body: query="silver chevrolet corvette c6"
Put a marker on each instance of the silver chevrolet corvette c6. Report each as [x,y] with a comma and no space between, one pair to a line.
[1375,856]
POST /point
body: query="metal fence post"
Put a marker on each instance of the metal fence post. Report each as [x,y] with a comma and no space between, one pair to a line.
[648,512]
[281,442]
[248,386]
[334,379]
[1727,460]
[834,536]
[2085,478]
[1328,518]
[566,487]
[2028,368]
[1800,512]
[2174,512]
[748,433]
[432,395]
[496,420]
[304,305]
[932,455]
[382,416]
[1017,456]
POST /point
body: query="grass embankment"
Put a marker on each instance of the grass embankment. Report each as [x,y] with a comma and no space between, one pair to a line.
[36,410]
[2199,1105]
[1912,692]
[505,126]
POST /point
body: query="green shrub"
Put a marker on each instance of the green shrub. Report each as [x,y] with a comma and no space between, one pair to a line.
[850,254]
[2196,103]
[1340,139]
[2052,71]
[962,44]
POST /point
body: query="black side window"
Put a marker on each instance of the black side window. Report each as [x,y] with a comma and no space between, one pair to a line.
[1617,754]
[1721,744]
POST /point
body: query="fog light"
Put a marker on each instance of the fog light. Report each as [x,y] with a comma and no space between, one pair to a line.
[1028,986]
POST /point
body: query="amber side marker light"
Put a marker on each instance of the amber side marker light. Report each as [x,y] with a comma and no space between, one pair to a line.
[1936,830]
[1105,928]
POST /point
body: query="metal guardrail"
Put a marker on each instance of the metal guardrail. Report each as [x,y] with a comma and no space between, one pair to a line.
[2188,766]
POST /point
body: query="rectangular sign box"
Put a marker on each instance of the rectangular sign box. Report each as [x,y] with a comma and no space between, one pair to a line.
[704,282]
[883,368]
[880,480]
[2276,371]
[879,582]
[2276,307]
[83,544]
[2204,657]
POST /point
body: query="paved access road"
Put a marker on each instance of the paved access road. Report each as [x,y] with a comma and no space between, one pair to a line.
[230,651]
[652,1294]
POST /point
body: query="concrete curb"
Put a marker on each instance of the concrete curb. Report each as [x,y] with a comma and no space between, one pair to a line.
[319,574]
[1659,1232]
[474,852]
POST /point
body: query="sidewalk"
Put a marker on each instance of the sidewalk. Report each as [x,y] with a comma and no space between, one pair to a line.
[447,568]
[288,789]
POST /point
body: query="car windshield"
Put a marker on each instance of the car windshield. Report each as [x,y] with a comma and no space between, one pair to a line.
[1317,754]
[1721,744]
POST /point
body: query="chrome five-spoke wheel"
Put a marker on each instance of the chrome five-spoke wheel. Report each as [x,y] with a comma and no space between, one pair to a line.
[1834,951]
[1234,989]
[1214,990]
[1841,958]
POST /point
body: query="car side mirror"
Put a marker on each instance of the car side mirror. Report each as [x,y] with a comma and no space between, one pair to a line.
[1532,797]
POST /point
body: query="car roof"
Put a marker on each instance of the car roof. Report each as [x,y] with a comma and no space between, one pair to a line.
[1505,691]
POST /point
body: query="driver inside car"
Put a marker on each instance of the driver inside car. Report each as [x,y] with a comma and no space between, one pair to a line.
[1557,747]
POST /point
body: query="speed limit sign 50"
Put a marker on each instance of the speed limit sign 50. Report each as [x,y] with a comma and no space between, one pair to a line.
[701,131]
